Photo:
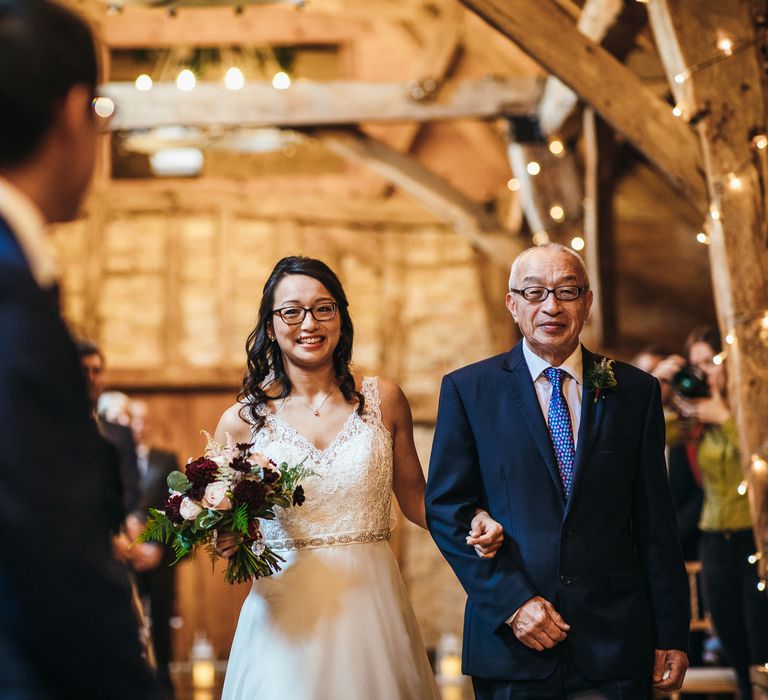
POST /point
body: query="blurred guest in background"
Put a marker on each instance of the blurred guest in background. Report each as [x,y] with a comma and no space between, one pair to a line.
[156,576]
[684,482]
[739,610]
[66,626]
[92,362]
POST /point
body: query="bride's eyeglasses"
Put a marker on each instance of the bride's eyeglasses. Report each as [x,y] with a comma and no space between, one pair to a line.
[293,315]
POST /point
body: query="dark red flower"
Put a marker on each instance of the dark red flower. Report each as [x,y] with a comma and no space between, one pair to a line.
[241,464]
[298,496]
[244,447]
[252,493]
[171,508]
[201,472]
[271,476]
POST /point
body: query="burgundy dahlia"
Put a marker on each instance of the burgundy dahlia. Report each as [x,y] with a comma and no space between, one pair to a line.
[201,472]
[271,476]
[298,496]
[171,508]
[252,493]
[244,447]
[240,464]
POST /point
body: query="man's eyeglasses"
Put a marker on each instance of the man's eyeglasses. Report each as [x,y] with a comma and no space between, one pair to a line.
[568,292]
[293,315]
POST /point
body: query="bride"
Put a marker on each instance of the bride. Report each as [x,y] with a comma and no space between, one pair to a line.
[335,623]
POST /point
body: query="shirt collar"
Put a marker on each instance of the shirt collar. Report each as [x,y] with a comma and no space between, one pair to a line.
[573,365]
[28,226]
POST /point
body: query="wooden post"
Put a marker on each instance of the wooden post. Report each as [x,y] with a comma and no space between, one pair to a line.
[720,86]
[598,227]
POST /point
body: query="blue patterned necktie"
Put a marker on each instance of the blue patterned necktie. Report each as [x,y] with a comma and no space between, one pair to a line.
[559,423]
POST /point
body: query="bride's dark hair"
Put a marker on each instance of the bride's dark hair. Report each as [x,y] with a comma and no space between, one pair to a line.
[265,359]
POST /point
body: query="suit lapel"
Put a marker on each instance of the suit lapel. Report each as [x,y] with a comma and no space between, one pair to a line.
[520,385]
[589,426]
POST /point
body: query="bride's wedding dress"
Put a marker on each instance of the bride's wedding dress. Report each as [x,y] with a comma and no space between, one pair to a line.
[336,622]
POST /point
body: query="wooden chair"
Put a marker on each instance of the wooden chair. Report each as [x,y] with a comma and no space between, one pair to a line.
[704,679]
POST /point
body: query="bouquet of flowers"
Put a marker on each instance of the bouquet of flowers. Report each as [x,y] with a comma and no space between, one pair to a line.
[229,488]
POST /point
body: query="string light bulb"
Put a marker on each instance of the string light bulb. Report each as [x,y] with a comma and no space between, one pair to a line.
[734,182]
[540,238]
[730,339]
[741,489]
[759,465]
[557,213]
[761,586]
[677,111]
[513,184]
[533,168]
[556,147]
[144,83]
[764,321]
[281,80]
[718,359]
[186,80]
[702,238]
[725,44]
[760,142]
[714,212]
[577,243]
[234,79]
[682,76]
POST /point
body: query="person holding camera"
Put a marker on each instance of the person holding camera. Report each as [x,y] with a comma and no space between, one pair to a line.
[739,610]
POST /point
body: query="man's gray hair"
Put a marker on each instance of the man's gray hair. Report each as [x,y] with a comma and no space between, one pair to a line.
[556,247]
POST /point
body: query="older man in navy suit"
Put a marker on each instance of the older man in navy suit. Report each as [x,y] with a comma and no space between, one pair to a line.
[588,596]
[66,625]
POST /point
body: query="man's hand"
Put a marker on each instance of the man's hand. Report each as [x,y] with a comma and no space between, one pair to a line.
[669,669]
[486,535]
[538,625]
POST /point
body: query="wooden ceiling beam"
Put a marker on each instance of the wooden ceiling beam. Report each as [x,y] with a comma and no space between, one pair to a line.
[548,35]
[469,219]
[307,104]
[558,100]
[146,28]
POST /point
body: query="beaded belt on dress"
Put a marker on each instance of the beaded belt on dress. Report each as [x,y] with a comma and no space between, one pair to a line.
[330,540]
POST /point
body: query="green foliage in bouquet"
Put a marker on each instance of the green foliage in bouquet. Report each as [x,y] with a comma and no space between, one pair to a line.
[229,489]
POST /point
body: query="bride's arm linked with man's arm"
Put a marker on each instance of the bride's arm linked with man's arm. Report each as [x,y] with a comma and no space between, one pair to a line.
[485,535]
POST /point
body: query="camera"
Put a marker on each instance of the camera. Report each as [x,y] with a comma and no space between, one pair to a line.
[691,382]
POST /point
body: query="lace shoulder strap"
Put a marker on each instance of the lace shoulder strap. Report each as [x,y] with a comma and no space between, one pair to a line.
[370,390]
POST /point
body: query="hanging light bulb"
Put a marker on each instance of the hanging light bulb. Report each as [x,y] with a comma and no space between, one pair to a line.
[760,141]
[144,83]
[734,182]
[702,238]
[677,111]
[533,168]
[557,213]
[540,238]
[513,184]
[186,80]
[104,107]
[681,77]
[234,79]
[577,243]
[281,80]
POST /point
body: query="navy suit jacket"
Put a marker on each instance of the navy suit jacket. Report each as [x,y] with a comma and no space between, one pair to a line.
[608,559]
[66,626]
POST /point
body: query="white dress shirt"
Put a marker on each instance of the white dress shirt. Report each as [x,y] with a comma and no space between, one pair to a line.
[572,384]
[28,226]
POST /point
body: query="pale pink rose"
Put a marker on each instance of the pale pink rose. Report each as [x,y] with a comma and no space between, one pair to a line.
[216,496]
[188,509]
[260,460]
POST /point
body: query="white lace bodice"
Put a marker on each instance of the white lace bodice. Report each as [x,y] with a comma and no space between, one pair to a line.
[349,499]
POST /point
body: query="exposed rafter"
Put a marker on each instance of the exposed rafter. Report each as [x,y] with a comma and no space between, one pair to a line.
[468,218]
[548,35]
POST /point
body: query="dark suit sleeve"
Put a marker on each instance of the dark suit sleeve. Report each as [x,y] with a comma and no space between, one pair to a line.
[655,531]
[64,603]
[497,586]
